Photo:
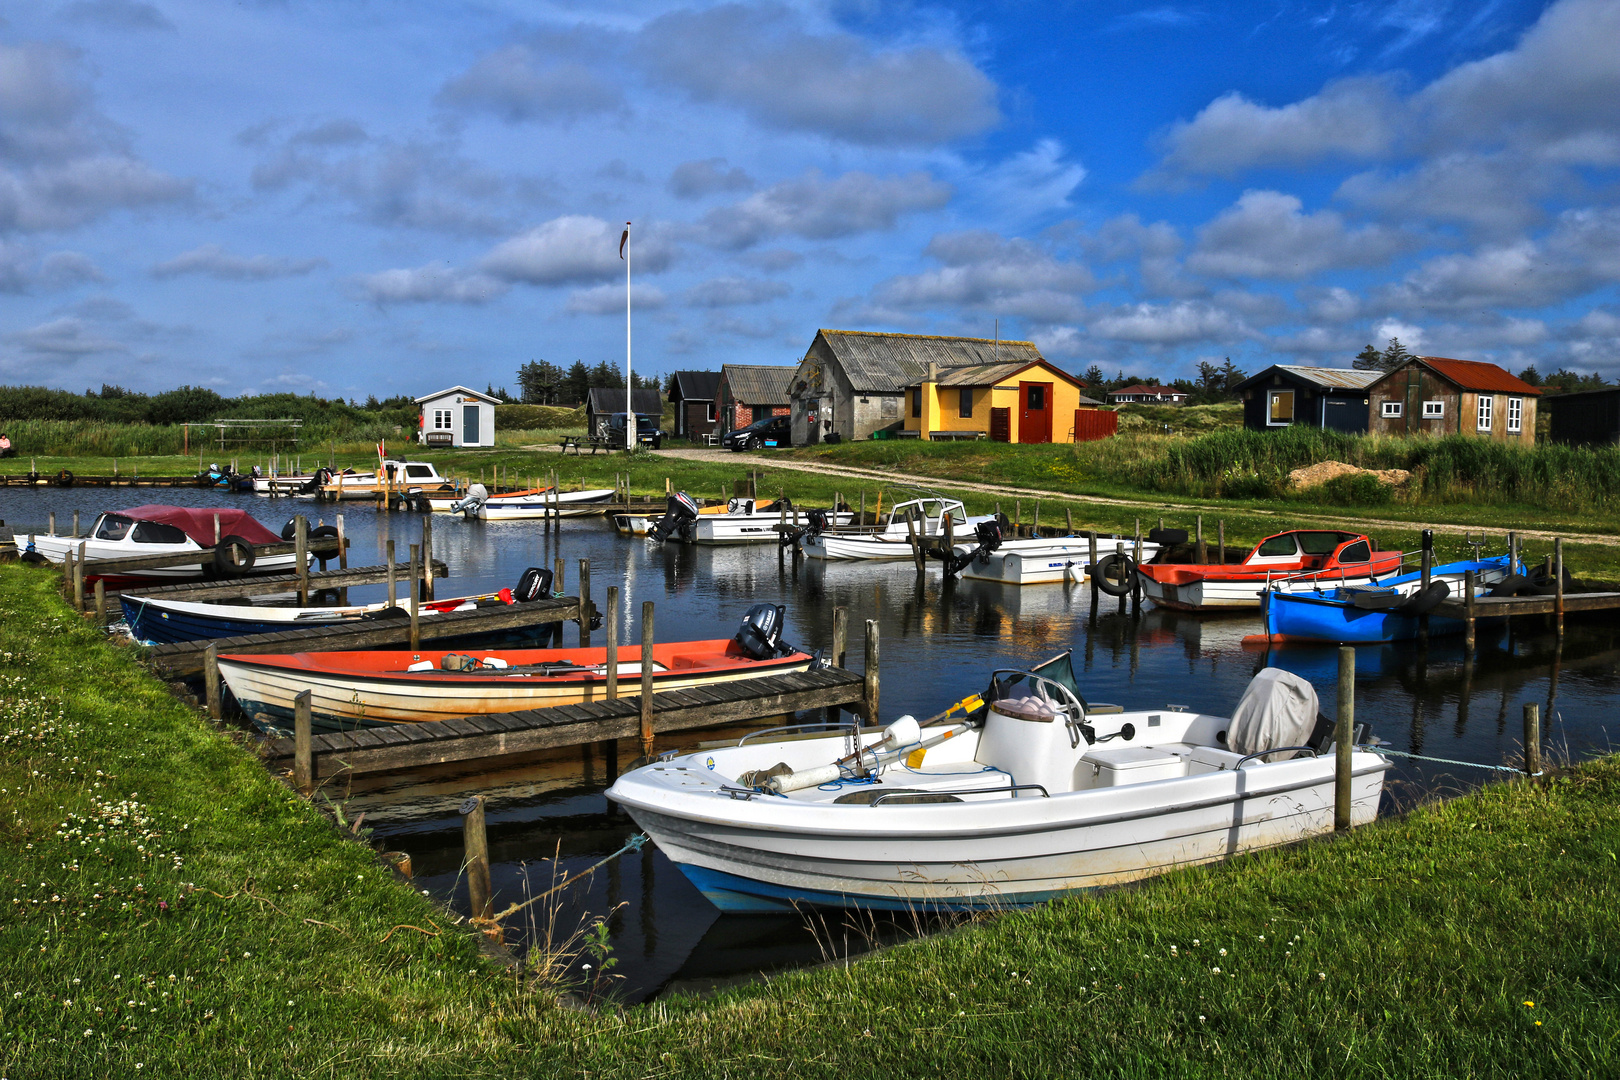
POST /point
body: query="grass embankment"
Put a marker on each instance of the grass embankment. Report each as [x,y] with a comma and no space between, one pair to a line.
[1475,937]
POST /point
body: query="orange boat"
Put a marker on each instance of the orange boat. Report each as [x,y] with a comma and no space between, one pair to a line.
[1306,557]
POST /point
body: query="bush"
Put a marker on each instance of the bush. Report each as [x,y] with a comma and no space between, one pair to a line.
[1353,489]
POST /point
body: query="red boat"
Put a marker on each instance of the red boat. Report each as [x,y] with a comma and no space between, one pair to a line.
[1306,557]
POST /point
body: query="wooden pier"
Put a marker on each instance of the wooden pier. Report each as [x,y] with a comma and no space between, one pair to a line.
[404,746]
[266,584]
[120,480]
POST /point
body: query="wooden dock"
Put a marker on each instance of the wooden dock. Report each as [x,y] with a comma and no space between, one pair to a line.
[265,584]
[404,746]
[186,658]
[56,479]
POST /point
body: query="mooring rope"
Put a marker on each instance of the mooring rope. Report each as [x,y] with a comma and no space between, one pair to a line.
[1443,761]
[632,844]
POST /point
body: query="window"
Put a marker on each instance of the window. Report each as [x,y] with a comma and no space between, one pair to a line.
[112,527]
[1320,543]
[1391,409]
[1279,545]
[890,407]
[419,472]
[1433,410]
[1035,399]
[154,532]
[1515,414]
[441,420]
[916,401]
[1357,552]
[713,412]
[1485,403]
[1280,409]
[966,408]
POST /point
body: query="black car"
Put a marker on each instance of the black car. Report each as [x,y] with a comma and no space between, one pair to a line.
[771,431]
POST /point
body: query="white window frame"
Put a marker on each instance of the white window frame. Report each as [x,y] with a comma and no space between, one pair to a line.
[1487,405]
[1515,417]
[442,420]
[1434,410]
[1391,410]
[1271,400]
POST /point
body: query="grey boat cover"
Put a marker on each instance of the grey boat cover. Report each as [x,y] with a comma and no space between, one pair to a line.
[1278,709]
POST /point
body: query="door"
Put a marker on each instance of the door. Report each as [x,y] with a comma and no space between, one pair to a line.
[469,425]
[1345,414]
[1001,425]
[1035,419]
[812,421]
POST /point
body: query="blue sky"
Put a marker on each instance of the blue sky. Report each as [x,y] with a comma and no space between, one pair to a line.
[353,197]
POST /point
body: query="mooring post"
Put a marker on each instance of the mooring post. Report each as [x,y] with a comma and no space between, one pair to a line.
[76,526]
[1343,735]
[1513,552]
[475,857]
[585,608]
[840,637]
[1119,549]
[343,551]
[1532,739]
[1136,579]
[1203,550]
[1035,527]
[389,550]
[427,555]
[950,535]
[1468,611]
[611,625]
[646,678]
[870,687]
[416,602]
[1091,567]
[301,554]
[1018,517]
[863,507]
[211,681]
[53,522]
[1558,581]
[78,580]
[1068,520]
[303,752]
[1220,539]
[101,603]
[916,546]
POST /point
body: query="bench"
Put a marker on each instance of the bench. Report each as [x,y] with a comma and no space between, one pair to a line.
[569,442]
[438,438]
[956,436]
[599,442]
[904,433]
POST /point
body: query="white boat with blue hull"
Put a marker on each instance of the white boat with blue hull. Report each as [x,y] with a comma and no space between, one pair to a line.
[1038,796]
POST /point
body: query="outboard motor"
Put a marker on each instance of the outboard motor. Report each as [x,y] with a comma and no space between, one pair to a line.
[319,479]
[816,521]
[988,534]
[468,505]
[533,585]
[760,636]
[682,511]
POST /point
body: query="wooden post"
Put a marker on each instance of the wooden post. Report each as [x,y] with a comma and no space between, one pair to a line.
[76,526]
[611,625]
[427,556]
[585,601]
[1035,529]
[301,554]
[1343,733]
[216,527]
[863,507]
[1468,607]
[1220,538]
[389,549]
[916,546]
[1119,549]
[53,522]
[950,535]
[840,640]
[416,604]
[78,580]
[211,681]
[1203,551]
[646,678]
[343,545]
[303,754]
[1532,738]
[1018,517]
[1068,519]
[1558,582]
[870,689]
[101,603]
[475,856]
[559,565]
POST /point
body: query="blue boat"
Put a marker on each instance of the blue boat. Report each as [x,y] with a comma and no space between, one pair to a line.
[1389,610]
[162,621]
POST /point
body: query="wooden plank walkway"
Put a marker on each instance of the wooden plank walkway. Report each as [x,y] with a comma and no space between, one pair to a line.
[121,480]
[1486,607]
[186,657]
[282,583]
[472,738]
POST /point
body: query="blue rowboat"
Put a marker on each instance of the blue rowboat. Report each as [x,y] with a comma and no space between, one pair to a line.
[160,621]
[1387,610]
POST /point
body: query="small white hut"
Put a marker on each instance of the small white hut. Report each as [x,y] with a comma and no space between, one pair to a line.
[457,417]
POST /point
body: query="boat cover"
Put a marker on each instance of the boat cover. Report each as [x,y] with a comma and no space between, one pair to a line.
[1278,709]
[199,524]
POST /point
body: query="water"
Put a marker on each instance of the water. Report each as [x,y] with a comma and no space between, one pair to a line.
[939,644]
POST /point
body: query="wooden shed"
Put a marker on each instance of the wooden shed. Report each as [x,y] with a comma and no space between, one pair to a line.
[1020,402]
[602,402]
[749,392]
[695,395]
[1436,395]
[458,416]
[1584,418]
[1286,394]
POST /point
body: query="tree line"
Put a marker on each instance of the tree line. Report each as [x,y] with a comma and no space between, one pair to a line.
[544,383]
[195,404]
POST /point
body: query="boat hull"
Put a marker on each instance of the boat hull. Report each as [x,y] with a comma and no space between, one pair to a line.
[1042,561]
[1328,616]
[55,549]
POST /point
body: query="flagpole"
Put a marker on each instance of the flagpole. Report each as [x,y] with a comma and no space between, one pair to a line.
[632,430]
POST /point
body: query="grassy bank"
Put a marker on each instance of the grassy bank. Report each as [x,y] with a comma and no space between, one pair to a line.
[139,844]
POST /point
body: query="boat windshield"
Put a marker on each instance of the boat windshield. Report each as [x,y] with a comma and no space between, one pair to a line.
[1356,552]
[155,532]
[423,471]
[1279,545]
[1321,543]
[112,527]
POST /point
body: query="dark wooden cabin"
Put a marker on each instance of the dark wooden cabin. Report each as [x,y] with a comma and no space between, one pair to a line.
[1586,418]
[1286,394]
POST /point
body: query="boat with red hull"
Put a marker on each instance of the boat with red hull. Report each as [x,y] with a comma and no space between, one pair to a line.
[1308,558]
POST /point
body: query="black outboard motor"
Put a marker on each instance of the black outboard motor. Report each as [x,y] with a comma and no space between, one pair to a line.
[760,636]
[682,511]
[318,480]
[988,534]
[535,584]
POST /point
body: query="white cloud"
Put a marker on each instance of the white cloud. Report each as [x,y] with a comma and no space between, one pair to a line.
[735,292]
[983,271]
[695,179]
[1266,234]
[575,250]
[21,273]
[609,300]
[1411,336]
[65,338]
[820,209]
[1032,182]
[521,82]
[428,284]
[214,261]
[1495,192]
[1179,323]
[764,60]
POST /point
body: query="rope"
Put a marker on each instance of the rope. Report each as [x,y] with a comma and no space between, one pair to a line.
[632,844]
[1444,761]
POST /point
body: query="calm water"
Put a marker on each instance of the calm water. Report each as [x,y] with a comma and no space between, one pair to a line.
[939,643]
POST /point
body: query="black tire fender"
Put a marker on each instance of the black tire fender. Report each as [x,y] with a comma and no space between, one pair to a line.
[233,556]
[1425,600]
[1112,567]
[64,478]
[322,532]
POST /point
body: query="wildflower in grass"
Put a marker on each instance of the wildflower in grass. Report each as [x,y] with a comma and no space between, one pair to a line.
[1538,1023]
[1529,1004]
[1214,971]
[1320,976]
[1195,941]
[1223,952]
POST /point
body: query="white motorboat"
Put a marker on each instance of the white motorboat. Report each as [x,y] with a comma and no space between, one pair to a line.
[1039,560]
[1037,797]
[306,484]
[926,515]
[745,521]
[169,530]
[406,483]
[528,504]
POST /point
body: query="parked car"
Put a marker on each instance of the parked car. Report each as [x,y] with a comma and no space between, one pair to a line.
[771,431]
[647,431]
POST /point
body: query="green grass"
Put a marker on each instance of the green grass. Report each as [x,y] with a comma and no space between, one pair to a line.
[139,843]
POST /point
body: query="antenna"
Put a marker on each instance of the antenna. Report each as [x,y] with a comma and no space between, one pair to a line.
[998,341]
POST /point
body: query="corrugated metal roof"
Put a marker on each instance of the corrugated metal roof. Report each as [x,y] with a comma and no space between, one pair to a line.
[758,384]
[1338,378]
[979,374]
[888,363]
[1477,375]
[697,385]
[610,399]
[464,392]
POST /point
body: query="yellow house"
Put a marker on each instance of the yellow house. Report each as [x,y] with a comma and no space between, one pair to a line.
[1021,402]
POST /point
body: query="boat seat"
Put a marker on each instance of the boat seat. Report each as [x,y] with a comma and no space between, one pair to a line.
[1118,766]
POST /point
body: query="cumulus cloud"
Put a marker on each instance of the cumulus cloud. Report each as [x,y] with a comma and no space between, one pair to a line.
[1493,192]
[428,284]
[1035,181]
[21,272]
[734,292]
[1266,234]
[695,179]
[521,82]
[988,272]
[1180,323]
[765,61]
[820,209]
[573,250]
[214,261]
[609,300]
[66,338]
[116,15]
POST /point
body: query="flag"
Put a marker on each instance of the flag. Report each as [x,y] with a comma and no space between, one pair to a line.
[382,453]
[624,239]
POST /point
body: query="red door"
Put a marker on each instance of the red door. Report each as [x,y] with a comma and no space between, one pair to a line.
[1000,425]
[1035,421]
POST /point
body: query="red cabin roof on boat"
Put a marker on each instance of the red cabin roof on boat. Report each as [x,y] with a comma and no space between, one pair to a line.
[199,524]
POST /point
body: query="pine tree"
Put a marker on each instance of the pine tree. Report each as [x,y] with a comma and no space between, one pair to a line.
[1369,359]
[1094,377]
[1395,355]
[577,384]
[1231,375]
